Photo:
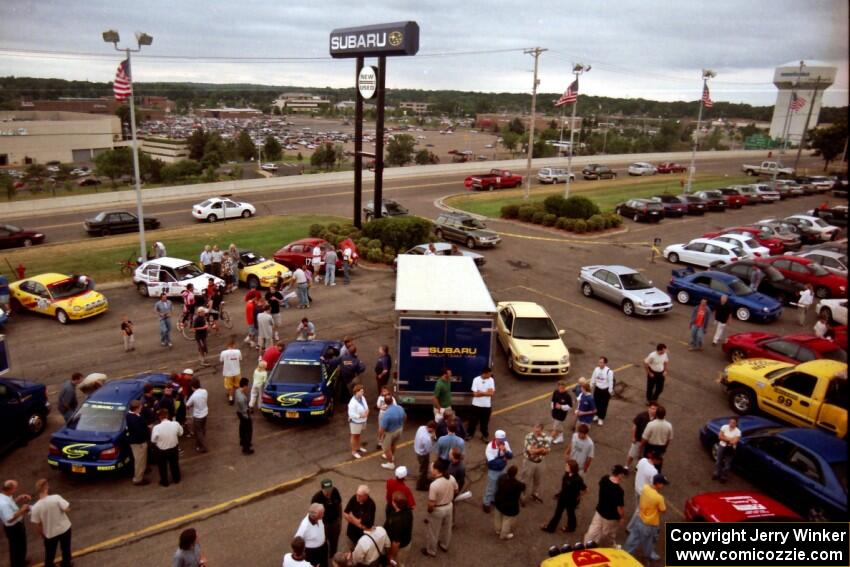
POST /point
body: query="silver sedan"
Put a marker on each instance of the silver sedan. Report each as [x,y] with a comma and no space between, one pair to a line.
[625,287]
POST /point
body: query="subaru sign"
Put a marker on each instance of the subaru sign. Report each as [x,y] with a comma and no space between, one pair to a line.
[399,38]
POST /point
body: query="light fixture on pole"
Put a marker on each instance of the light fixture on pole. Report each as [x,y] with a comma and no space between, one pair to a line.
[704,101]
[536,52]
[578,69]
[111,36]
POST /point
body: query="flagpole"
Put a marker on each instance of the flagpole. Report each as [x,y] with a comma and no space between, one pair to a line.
[786,126]
[705,75]
[561,137]
[578,69]
[139,209]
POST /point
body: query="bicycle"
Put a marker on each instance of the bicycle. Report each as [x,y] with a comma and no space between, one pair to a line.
[128,266]
[188,331]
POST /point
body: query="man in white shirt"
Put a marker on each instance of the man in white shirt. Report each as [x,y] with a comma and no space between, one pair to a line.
[373,544]
[645,471]
[302,286]
[347,261]
[656,364]
[807,297]
[197,406]
[483,388]
[312,530]
[821,328]
[231,369]
[297,557]
[12,511]
[166,438]
[50,514]
[726,445]
[602,381]
[206,259]
[316,262]
[358,413]
[423,443]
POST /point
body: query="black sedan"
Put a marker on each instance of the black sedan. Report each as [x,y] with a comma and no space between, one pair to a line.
[110,222]
[714,200]
[773,283]
[12,236]
[646,210]
[596,171]
[695,205]
[673,206]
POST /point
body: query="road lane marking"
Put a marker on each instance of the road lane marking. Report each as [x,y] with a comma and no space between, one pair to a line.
[556,298]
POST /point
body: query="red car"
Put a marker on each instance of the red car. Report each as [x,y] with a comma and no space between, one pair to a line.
[791,348]
[670,167]
[296,254]
[761,235]
[734,198]
[803,270]
[737,506]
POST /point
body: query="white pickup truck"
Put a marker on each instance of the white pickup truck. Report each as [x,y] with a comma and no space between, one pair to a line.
[768,168]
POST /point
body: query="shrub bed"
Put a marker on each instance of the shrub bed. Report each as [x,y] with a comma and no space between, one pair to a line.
[380,240]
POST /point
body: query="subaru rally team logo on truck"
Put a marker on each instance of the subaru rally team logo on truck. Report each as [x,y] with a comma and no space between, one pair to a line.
[77,450]
[443,351]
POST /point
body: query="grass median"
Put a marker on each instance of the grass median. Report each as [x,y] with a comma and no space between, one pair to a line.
[100,257]
[605,193]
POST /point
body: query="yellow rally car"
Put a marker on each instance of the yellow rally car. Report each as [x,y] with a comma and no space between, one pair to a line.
[255,271]
[594,557]
[67,298]
[531,341]
[811,394]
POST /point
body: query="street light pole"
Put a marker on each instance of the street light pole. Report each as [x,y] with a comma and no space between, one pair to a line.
[706,75]
[111,36]
[536,52]
[578,69]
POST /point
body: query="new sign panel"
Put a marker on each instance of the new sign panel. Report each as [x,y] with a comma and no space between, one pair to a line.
[399,38]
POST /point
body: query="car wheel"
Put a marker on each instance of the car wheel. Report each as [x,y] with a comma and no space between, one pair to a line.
[27,243]
[742,313]
[636,218]
[142,288]
[587,290]
[36,423]
[673,258]
[683,296]
[438,234]
[510,361]
[827,312]
[737,355]
[491,187]
[212,218]
[713,452]
[105,232]
[62,317]
[628,308]
[253,282]
[470,242]
[246,214]
[743,401]
[821,292]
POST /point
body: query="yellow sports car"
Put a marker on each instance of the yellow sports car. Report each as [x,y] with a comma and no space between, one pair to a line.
[255,271]
[601,557]
[67,298]
[531,341]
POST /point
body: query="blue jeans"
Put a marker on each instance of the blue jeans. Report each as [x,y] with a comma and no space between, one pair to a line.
[346,269]
[696,336]
[724,460]
[492,481]
[165,331]
[330,274]
[641,537]
[302,294]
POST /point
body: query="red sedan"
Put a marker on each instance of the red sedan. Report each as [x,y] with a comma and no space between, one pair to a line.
[737,506]
[803,270]
[760,235]
[296,254]
[670,167]
[734,198]
[792,349]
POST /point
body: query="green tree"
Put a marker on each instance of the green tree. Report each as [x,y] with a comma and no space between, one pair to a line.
[7,183]
[245,147]
[830,142]
[324,157]
[181,171]
[400,149]
[35,172]
[197,141]
[272,149]
[114,163]
[516,126]
[510,139]
[426,157]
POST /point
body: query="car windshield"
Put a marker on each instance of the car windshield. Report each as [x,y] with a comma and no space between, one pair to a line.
[187,272]
[251,259]
[472,223]
[67,288]
[535,328]
[773,274]
[818,270]
[837,353]
[652,206]
[751,243]
[740,288]
[820,223]
[713,194]
[205,204]
[99,416]
[634,281]
[287,373]
[99,217]
[13,228]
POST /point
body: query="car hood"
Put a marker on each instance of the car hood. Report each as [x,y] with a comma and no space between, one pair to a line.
[755,368]
[756,299]
[749,338]
[83,299]
[650,295]
[540,349]
[746,423]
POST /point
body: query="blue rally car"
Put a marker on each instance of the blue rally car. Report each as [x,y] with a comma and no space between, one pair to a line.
[688,286]
[804,468]
[95,440]
[23,411]
[302,384]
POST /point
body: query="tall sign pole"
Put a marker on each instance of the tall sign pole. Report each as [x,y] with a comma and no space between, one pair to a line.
[536,52]
[381,41]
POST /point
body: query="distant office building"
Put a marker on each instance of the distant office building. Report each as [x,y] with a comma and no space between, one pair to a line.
[789,79]
[416,107]
[150,107]
[42,136]
[300,102]
[165,149]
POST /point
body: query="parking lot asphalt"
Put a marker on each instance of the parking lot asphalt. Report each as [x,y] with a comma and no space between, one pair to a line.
[249,506]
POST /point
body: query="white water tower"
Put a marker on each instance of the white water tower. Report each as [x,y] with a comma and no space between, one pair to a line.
[809,84]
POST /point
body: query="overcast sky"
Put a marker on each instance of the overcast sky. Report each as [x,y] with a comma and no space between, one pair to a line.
[648,48]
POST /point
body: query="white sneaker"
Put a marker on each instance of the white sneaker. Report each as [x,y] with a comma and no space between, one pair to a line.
[559,440]
[355,455]
[595,418]
[599,422]
[388,466]
[362,450]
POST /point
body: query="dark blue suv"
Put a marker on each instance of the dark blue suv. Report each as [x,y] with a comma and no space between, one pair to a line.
[302,385]
[95,439]
[23,411]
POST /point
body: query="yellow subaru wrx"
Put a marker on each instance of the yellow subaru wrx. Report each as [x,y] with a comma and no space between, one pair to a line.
[530,339]
[593,557]
[67,298]
[811,394]
[255,271]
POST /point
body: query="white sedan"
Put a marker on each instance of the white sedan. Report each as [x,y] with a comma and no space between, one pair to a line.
[825,231]
[218,208]
[172,276]
[834,309]
[269,167]
[642,168]
[751,248]
[703,252]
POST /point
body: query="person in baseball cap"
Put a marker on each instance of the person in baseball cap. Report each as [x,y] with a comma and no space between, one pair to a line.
[330,498]
[398,484]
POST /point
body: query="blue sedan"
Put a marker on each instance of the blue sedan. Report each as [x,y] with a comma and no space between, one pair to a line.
[804,468]
[302,384]
[688,286]
[23,411]
[94,440]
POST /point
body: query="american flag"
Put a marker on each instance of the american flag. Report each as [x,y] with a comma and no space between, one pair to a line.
[420,351]
[121,86]
[797,102]
[706,97]
[570,96]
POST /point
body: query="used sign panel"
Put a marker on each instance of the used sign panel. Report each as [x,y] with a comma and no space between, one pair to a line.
[399,38]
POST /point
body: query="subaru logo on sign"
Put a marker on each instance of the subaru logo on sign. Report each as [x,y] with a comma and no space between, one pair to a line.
[399,38]
[367,82]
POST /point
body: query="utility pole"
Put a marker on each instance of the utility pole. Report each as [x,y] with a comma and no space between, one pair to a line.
[706,75]
[578,69]
[535,52]
[806,128]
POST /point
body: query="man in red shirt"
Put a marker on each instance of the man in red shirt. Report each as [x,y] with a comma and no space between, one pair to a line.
[700,318]
[271,354]
[397,484]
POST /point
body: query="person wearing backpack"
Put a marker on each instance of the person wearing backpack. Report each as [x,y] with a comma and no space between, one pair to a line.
[371,548]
